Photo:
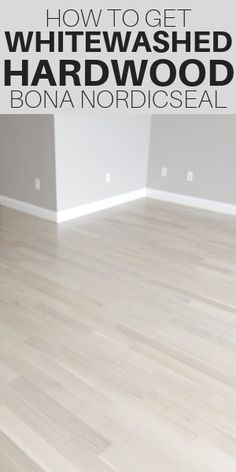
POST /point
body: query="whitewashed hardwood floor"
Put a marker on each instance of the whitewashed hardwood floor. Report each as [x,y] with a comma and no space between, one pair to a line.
[118,341]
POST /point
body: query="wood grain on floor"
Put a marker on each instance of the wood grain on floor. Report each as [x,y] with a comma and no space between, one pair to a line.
[118,341]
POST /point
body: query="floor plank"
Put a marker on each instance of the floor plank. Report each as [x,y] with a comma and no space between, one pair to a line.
[117,341]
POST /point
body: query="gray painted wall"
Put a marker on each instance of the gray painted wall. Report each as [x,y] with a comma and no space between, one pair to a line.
[203,144]
[90,145]
[27,151]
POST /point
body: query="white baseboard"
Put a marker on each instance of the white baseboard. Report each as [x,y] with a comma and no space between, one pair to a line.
[94,207]
[28,208]
[194,202]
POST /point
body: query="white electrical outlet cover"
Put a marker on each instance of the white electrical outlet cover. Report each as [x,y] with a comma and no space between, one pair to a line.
[190,176]
[37,184]
[164,171]
[108,178]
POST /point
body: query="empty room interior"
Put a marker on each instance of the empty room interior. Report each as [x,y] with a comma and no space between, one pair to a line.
[117,293]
